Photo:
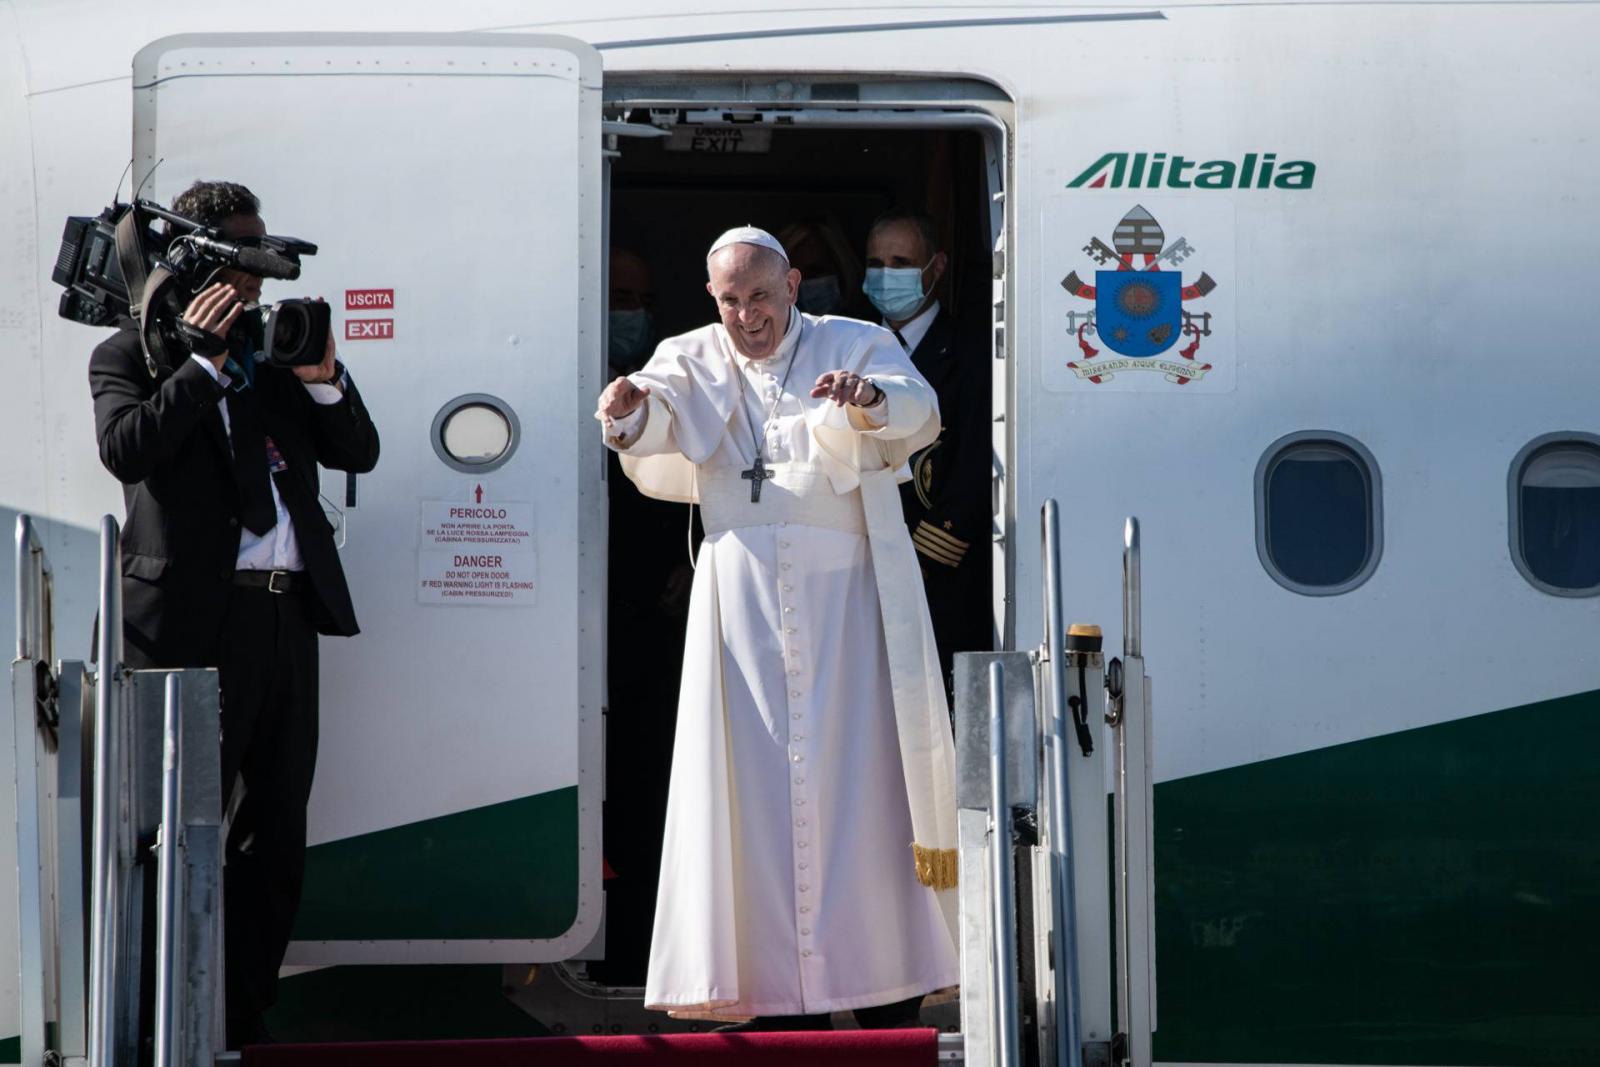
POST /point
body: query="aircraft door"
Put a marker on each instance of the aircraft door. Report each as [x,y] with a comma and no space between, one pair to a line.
[453,184]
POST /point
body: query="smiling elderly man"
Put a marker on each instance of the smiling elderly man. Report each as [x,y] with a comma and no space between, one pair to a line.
[811,818]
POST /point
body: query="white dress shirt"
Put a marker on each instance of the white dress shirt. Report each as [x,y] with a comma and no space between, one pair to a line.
[277,549]
[914,331]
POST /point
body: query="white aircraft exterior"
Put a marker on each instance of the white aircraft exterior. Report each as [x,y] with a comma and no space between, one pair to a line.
[1301,285]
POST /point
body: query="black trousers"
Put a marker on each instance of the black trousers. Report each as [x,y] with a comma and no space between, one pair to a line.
[268,675]
[958,607]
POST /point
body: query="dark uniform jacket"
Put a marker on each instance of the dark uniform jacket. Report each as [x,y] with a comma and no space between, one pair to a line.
[946,503]
[164,439]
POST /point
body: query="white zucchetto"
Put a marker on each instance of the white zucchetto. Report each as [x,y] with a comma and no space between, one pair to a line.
[747,235]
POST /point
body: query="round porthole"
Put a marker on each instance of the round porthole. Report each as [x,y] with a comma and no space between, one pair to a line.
[475,433]
[1319,513]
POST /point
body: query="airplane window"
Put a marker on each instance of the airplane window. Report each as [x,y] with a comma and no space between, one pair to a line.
[475,433]
[1318,528]
[1555,514]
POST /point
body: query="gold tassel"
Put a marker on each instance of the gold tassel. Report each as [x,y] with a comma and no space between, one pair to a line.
[936,867]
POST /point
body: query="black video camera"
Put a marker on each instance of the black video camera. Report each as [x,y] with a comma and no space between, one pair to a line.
[96,250]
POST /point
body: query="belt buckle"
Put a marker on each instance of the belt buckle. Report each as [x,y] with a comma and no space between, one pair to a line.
[272,581]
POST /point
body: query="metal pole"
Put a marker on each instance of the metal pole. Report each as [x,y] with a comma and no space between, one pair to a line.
[24,586]
[166,1009]
[1004,958]
[1064,935]
[34,625]
[1132,620]
[107,809]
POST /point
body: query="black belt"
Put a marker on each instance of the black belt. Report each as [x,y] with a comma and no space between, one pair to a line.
[273,581]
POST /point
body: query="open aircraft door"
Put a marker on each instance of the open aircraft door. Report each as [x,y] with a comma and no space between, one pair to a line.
[454,184]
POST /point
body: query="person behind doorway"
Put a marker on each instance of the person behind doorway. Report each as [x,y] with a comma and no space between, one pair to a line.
[830,272]
[811,816]
[648,590]
[946,501]
[630,323]
[228,562]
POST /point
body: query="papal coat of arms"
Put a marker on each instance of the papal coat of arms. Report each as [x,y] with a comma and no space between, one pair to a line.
[1139,311]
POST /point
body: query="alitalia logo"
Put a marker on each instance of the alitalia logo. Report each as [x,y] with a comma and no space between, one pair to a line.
[1157,170]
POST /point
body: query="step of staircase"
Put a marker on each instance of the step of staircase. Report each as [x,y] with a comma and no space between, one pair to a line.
[860,1048]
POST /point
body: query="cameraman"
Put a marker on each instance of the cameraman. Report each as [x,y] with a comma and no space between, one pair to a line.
[228,562]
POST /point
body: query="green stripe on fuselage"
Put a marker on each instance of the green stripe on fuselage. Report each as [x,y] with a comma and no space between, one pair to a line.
[508,870]
[1426,897]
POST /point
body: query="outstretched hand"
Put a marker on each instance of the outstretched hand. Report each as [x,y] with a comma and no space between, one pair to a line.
[620,399]
[843,387]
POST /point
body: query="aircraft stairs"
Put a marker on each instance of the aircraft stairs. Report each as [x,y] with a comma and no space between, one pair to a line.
[118,772]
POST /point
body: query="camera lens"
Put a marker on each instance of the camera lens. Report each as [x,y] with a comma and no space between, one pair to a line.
[290,336]
[297,332]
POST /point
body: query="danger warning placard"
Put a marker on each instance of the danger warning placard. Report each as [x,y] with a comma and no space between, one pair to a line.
[476,554]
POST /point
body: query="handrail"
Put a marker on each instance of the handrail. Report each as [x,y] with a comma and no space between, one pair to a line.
[103,917]
[167,1009]
[1007,1016]
[1132,612]
[35,595]
[1064,932]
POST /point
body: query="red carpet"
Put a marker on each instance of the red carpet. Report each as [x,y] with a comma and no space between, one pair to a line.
[849,1048]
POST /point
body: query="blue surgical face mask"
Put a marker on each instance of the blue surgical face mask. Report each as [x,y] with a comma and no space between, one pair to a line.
[631,338]
[895,291]
[820,295]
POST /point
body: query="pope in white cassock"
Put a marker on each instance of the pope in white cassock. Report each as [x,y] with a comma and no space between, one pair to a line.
[810,835]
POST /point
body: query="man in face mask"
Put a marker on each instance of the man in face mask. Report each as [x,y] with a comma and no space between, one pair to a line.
[631,325]
[946,502]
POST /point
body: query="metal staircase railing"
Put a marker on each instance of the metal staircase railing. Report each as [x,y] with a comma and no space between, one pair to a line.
[48,699]
[144,743]
[1032,798]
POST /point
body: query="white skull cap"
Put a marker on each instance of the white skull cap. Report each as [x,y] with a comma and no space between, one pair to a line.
[747,235]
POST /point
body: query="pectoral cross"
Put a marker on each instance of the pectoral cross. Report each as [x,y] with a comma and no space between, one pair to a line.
[757,474]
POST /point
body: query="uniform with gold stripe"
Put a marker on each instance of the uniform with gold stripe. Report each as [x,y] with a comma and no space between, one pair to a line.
[947,499]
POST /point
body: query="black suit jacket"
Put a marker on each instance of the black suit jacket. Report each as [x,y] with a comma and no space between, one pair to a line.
[947,500]
[164,439]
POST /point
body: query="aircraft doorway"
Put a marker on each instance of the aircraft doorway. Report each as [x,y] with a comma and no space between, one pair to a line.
[819,188]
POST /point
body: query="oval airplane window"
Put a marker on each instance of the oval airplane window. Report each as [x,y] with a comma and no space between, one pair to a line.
[1555,514]
[475,433]
[1318,519]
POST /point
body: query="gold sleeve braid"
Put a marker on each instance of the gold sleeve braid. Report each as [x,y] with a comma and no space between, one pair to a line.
[941,546]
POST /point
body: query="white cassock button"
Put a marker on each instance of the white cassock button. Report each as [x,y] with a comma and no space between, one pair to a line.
[788,589]
[796,715]
[805,931]
[783,544]
[794,674]
[806,953]
[799,758]
[799,844]
[794,692]
[804,888]
[799,822]
[799,781]
[785,566]
[797,737]
[805,909]
[790,630]
[788,611]
[802,867]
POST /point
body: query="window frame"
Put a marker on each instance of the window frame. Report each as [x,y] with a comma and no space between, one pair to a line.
[465,400]
[1519,466]
[1368,465]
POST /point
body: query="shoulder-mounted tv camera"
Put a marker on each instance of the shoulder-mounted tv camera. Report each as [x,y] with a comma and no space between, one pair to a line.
[118,271]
